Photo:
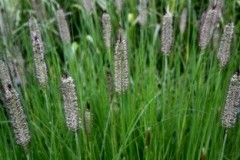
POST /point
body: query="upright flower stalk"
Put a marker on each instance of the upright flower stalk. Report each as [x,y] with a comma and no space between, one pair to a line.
[4,75]
[63,26]
[167,33]
[142,18]
[232,103]
[70,103]
[121,64]
[17,116]
[183,21]
[118,4]
[225,45]
[107,28]
[208,22]
[38,53]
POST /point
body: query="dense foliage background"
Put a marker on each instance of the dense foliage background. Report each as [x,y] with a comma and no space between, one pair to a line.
[180,97]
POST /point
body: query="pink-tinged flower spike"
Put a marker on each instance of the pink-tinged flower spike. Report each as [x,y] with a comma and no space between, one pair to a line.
[225,45]
[17,116]
[107,28]
[167,33]
[183,21]
[70,103]
[38,53]
[4,75]
[232,103]
[63,27]
[208,22]
[121,64]
[142,17]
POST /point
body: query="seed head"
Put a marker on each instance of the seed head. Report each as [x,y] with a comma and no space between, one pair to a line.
[38,52]
[106,22]
[63,27]
[225,45]
[208,22]
[183,21]
[4,75]
[17,116]
[167,33]
[70,103]
[121,64]
[142,18]
[232,103]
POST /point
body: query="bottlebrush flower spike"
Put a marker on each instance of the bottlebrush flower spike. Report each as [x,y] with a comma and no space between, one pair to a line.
[70,103]
[118,4]
[121,64]
[225,45]
[17,116]
[183,21]
[106,22]
[208,22]
[4,75]
[63,27]
[142,18]
[38,52]
[232,103]
[167,33]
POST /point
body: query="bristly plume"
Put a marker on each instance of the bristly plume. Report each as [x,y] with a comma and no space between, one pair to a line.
[208,22]
[232,103]
[38,53]
[88,5]
[107,28]
[17,116]
[121,64]
[118,4]
[183,21]
[167,33]
[142,17]
[88,120]
[38,7]
[70,103]
[63,27]
[225,45]
[4,75]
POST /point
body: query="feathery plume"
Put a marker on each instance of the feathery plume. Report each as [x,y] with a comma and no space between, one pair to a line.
[225,45]
[4,75]
[167,33]
[232,103]
[148,137]
[70,102]
[17,116]
[63,27]
[118,4]
[121,64]
[183,21]
[38,52]
[142,18]
[88,5]
[208,22]
[106,22]
[88,120]
[38,7]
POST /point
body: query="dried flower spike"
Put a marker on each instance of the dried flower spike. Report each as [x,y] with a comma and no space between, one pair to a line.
[167,33]
[208,22]
[121,64]
[17,116]
[142,18]
[225,45]
[38,52]
[70,103]
[106,22]
[4,75]
[232,103]
[88,5]
[183,21]
[63,27]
